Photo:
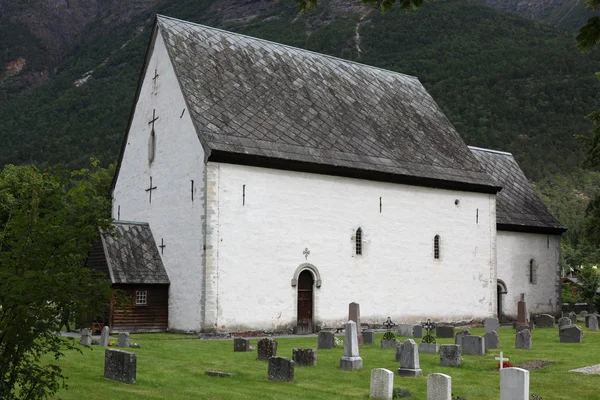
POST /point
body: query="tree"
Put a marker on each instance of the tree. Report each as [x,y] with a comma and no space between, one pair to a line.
[590,280]
[48,223]
[383,5]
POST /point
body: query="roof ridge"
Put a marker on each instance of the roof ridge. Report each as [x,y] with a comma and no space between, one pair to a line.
[321,55]
[490,150]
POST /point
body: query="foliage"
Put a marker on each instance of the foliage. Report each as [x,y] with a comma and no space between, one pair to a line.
[597,303]
[383,5]
[590,280]
[48,222]
[589,34]
[569,294]
[389,335]
[400,393]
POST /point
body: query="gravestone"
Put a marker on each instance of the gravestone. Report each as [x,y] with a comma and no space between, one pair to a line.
[86,337]
[460,335]
[382,384]
[439,387]
[473,345]
[389,343]
[281,369]
[444,331]
[573,317]
[241,344]
[409,359]
[491,324]
[523,340]
[120,365]
[428,348]
[304,357]
[523,327]
[564,321]
[514,384]
[491,340]
[351,360]
[571,334]
[522,314]
[105,336]
[124,340]
[583,313]
[406,330]
[354,315]
[369,336]
[545,321]
[326,340]
[450,355]
[593,323]
[417,331]
[587,319]
[398,351]
[267,348]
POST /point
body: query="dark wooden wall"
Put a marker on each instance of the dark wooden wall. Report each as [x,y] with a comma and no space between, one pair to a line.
[96,260]
[152,317]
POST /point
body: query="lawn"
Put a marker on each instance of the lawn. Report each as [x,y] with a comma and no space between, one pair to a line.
[173,366]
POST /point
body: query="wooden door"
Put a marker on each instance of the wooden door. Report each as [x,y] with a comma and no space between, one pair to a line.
[305,302]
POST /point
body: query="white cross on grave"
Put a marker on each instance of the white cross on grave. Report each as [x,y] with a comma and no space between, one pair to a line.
[501,359]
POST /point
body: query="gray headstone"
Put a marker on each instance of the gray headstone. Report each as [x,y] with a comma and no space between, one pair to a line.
[523,340]
[220,374]
[523,327]
[564,321]
[382,384]
[491,325]
[351,360]
[267,348]
[241,344]
[473,345]
[583,313]
[573,317]
[389,343]
[124,340]
[369,336]
[587,319]
[593,323]
[354,315]
[86,337]
[120,365]
[444,331]
[428,348]
[304,357]
[281,369]
[406,330]
[417,331]
[571,334]
[460,335]
[409,359]
[105,336]
[325,340]
[439,387]
[491,340]
[514,384]
[398,351]
[545,321]
[450,355]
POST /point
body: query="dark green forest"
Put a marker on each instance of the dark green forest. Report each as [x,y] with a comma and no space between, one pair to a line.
[505,82]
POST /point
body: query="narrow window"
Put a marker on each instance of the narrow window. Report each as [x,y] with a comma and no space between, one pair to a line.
[436,247]
[548,242]
[151,147]
[531,271]
[141,297]
[358,239]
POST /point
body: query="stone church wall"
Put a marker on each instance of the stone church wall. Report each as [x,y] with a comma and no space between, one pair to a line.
[176,211]
[516,250]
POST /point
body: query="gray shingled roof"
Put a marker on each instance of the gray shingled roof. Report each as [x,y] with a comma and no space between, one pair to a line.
[254,98]
[518,207]
[132,255]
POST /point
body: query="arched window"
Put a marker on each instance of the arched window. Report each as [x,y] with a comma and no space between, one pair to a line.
[151,147]
[358,239]
[531,275]
[436,247]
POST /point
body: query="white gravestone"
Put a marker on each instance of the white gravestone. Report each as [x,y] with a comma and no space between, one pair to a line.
[382,384]
[514,384]
[351,359]
[439,387]
[105,336]
[86,337]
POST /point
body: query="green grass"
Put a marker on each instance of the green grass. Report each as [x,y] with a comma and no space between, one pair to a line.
[173,366]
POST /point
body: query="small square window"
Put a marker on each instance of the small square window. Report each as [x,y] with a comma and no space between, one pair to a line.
[141,297]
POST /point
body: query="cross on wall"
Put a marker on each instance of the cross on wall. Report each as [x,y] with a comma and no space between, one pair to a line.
[162,246]
[149,190]
[154,118]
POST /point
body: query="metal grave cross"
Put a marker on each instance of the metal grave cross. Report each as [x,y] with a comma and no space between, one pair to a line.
[162,246]
[149,190]
[501,359]
[389,324]
[306,252]
[154,118]
[428,326]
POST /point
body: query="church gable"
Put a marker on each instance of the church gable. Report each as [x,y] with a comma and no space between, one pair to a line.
[261,103]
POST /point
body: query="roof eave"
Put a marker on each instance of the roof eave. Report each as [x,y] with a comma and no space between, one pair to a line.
[547,230]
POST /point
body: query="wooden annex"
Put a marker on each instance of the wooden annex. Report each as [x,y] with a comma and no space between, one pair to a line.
[130,258]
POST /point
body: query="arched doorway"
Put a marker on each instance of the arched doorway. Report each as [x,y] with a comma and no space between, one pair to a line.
[305,302]
[500,292]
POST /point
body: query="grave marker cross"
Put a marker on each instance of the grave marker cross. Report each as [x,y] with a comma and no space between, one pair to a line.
[389,324]
[428,326]
[501,359]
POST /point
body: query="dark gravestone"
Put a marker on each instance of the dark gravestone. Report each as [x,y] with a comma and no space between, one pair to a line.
[491,340]
[219,374]
[325,340]
[523,340]
[240,344]
[450,355]
[267,348]
[304,357]
[369,336]
[522,311]
[281,369]
[418,331]
[473,345]
[571,334]
[523,327]
[460,335]
[544,321]
[573,317]
[564,321]
[444,331]
[120,365]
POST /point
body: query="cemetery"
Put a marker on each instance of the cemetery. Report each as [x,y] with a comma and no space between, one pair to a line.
[546,362]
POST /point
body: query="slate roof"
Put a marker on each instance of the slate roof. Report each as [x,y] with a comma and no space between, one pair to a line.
[518,207]
[261,103]
[132,255]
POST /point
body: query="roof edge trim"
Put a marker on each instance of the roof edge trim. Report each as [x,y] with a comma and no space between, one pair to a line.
[532,229]
[505,153]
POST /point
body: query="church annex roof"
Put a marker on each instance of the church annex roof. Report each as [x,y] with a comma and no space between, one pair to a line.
[261,103]
[518,207]
[132,255]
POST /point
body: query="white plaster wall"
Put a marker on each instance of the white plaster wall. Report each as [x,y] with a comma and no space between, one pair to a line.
[172,215]
[255,249]
[515,249]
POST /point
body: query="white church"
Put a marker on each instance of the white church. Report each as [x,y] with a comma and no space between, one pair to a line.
[280,185]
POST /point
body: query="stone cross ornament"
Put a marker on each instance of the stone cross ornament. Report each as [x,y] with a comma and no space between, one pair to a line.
[428,326]
[389,324]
